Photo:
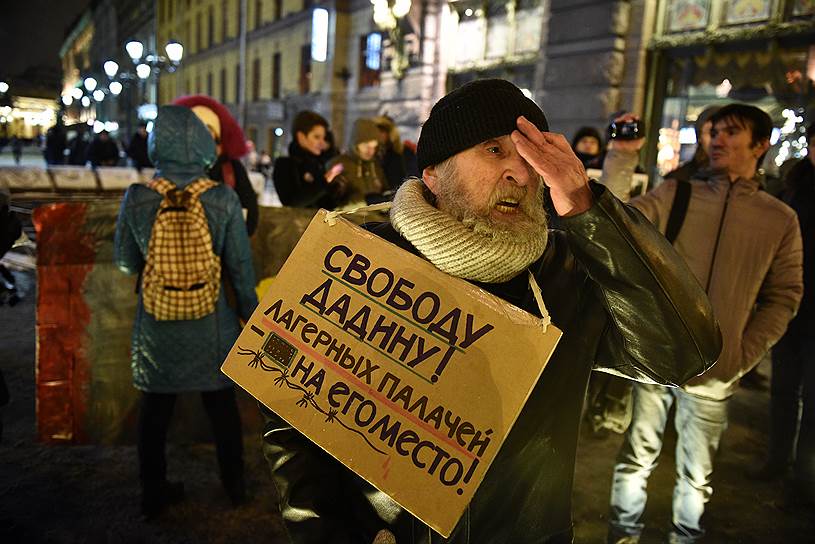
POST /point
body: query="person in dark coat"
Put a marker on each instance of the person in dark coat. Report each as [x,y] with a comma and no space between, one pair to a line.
[478,214]
[588,146]
[78,150]
[10,230]
[16,149]
[55,144]
[793,373]
[300,179]
[397,161]
[231,146]
[175,356]
[103,151]
[137,149]
[701,156]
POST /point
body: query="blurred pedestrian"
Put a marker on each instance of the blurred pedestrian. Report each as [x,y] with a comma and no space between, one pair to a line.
[137,148]
[184,327]
[265,164]
[361,177]
[103,151]
[701,156]
[300,179]
[55,144]
[588,146]
[10,231]
[753,279]
[231,146]
[78,149]
[792,400]
[251,156]
[16,149]
[394,157]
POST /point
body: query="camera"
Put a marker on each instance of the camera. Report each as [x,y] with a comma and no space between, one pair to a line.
[626,130]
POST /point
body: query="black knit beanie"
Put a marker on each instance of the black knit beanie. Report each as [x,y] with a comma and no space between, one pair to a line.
[471,114]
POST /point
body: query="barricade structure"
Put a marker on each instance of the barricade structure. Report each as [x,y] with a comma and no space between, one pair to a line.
[85,306]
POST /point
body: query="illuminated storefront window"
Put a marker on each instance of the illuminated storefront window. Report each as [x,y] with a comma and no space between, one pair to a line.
[713,52]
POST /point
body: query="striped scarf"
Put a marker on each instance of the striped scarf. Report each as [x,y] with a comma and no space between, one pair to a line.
[454,248]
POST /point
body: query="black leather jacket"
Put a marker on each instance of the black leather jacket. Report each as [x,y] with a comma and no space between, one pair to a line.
[626,303]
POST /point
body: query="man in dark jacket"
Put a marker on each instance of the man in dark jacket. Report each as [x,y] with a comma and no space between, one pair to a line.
[625,301]
[103,151]
[137,149]
[300,179]
[793,376]
[55,144]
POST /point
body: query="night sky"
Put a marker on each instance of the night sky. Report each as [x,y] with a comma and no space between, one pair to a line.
[32,31]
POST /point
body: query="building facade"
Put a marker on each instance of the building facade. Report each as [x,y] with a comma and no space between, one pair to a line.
[711,53]
[581,60]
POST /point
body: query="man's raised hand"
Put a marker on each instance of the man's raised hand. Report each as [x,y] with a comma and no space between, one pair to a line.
[552,157]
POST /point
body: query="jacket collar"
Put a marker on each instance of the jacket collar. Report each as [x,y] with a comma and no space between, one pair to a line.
[742,185]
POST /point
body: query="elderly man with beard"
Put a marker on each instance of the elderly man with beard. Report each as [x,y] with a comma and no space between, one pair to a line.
[623,298]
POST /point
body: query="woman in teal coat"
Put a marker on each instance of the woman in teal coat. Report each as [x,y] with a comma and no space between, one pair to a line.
[170,357]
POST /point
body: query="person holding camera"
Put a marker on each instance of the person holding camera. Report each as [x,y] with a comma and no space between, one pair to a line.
[744,247]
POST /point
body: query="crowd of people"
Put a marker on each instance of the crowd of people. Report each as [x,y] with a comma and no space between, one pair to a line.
[316,175]
[675,291]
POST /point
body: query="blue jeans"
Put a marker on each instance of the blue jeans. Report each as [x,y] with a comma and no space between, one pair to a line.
[699,426]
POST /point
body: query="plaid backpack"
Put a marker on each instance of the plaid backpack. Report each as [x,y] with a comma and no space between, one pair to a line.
[182,275]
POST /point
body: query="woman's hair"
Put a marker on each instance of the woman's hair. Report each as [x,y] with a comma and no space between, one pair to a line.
[306,120]
[386,124]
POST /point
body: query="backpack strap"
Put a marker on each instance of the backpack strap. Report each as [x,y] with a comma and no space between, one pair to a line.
[199,186]
[228,173]
[679,210]
[161,186]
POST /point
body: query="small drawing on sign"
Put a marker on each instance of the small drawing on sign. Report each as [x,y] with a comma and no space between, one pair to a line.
[279,350]
[308,398]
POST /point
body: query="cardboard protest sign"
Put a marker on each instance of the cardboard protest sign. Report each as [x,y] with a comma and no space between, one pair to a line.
[408,376]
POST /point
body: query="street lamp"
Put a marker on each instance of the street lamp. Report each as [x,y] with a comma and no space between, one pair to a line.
[67,99]
[3,87]
[90,84]
[135,49]
[145,64]
[86,102]
[174,51]
[98,95]
[76,93]
[143,71]
[111,67]
[388,15]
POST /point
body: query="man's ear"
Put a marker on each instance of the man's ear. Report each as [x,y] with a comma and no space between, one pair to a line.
[431,179]
[761,147]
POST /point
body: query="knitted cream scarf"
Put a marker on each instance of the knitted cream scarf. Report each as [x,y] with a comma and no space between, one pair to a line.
[454,248]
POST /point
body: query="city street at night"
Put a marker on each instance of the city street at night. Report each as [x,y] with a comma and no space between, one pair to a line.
[407,272]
